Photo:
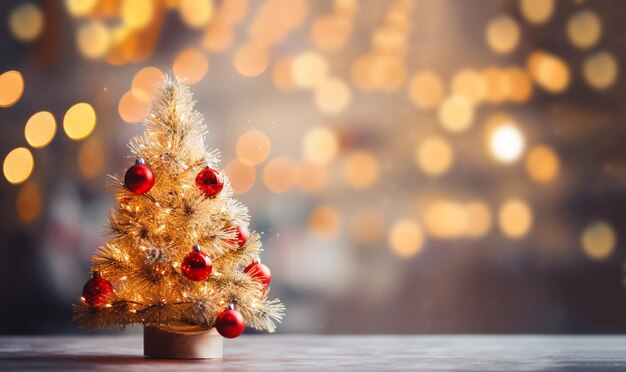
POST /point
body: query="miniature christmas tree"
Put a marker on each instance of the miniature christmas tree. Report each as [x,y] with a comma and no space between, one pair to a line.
[179,252]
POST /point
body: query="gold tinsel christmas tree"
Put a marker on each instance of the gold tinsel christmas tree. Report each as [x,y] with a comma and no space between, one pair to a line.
[179,251]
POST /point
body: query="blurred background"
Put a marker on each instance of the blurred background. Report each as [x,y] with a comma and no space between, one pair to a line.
[413,166]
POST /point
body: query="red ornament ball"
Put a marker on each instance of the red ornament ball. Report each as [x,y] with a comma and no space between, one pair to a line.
[260,272]
[139,178]
[210,182]
[230,323]
[197,265]
[242,236]
[96,290]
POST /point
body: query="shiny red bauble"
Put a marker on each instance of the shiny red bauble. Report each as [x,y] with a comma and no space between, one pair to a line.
[242,236]
[96,290]
[210,182]
[197,265]
[260,272]
[230,323]
[139,178]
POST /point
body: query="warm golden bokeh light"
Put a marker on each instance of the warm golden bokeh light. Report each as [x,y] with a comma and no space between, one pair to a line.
[515,218]
[549,71]
[28,202]
[145,82]
[191,65]
[251,59]
[253,147]
[137,14]
[445,220]
[478,219]
[196,13]
[426,89]
[406,238]
[11,88]
[537,11]
[281,75]
[332,96]
[312,177]
[91,158]
[40,129]
[502,34]
[309,69]
[79,121]
[241,176]
[519,84]
[80,8]
[330,33]
[434,156]
[542,164]
[320,145]
[506,143]
[131,109]
[600,70]
[367,226]
[26,22]
[584,29]
[360,169]
[456,113]
[279,175]
[469,84]
[325,222]
[497,85]
[93,39]
[18,165]
[598,240]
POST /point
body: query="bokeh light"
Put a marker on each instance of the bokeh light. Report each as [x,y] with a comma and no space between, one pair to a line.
[600,70]
[584,29]
[332,96]
[40,129]
[515,218]
[91,158]
[406,238]
[242,176]
[497,85]
[18,165]
[253,147]
[251,59]
[28,202]
[469,84]
[137,14]
[26,22]
[506,143]
[519,85]
[320,145]
[279,175]
[325,222]
[12,84]
[478,219]
[367,226]
[537,11]
[145,82]
[434,156]
[80,8]
[93,39]
[549,71]
[542,164]
[330,33]
[445,219]
[132,109]
[360,169]
[503,34]
[79,121]
[598,240]
[196,13]
[312,177]
[426,89]
[309,69]
[456,113]
[191,65]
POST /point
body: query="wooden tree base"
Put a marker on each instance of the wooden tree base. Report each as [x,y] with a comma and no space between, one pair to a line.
[181,342]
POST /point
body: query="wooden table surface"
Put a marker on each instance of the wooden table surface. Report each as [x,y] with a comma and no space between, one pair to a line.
[306,353]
